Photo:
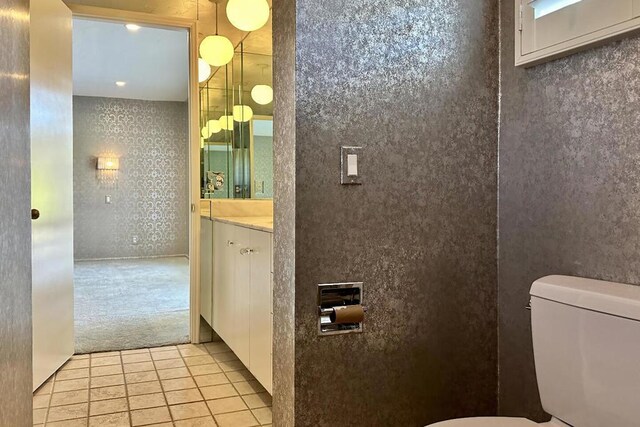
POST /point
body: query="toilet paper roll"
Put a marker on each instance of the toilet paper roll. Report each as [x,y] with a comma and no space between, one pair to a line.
[347,314]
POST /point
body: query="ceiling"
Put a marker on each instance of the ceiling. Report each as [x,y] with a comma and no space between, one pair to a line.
[106,52]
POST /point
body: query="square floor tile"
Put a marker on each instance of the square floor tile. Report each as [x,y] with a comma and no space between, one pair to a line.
[183,396]
[105,354]
[217,347]
[136,351]
[39,415]
[68,412]
[199,360]
[136,358]
[104,393]
[80,356]
[242,375]
[189,410]
[178,384]
[236,419]
[161,355]
[232,365]
[120,419]
[257,400]
[100,371]
[141,377]
[144,388]
[196,422]
[75,364]
[78,422]
[211,379]
[45,388]
[169,363]
[218,391]
[139,367]
[69,385]
[205,369]
[102,407]
[41,401]
[69,397]
[72,374]
[228,404]
[164,348]
[167,374]
[263,415]
[141,417]
[105,361]
[249,387]
[106,381]
[192,350]
[147,401]
[225,357]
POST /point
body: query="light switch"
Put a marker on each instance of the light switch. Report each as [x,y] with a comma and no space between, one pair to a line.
[352,165]
[107,199]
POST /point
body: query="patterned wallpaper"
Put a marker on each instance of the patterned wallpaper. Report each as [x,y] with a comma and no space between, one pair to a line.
[149,194]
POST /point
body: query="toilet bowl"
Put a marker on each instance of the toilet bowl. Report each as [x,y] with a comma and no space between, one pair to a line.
[586,346]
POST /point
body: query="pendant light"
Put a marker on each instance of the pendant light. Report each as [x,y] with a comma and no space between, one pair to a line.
[214,126]
[204,132]
[204,70]
[262,94]
[226,122]
[216,50]
[242,113]
[248,15]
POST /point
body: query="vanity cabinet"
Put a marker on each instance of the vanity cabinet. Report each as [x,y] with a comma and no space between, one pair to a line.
[242,295]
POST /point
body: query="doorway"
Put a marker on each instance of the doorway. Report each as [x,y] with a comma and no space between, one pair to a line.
[131,204]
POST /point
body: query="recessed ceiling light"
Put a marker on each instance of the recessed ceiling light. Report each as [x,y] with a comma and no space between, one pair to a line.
[132,27]
[120,84]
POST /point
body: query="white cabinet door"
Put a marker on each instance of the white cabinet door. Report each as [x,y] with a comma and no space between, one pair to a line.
[51,187]
[223,280]
[206,270]
[260,300]
[242,295]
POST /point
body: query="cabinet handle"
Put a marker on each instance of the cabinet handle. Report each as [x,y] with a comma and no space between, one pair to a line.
[246,251]
[230,243]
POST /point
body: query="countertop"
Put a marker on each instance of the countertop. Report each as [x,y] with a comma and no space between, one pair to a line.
[260,223]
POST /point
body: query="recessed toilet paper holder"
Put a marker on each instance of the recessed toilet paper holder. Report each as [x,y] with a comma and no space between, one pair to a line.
[340,309]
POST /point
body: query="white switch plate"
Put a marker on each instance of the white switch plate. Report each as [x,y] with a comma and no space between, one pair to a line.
[350,165]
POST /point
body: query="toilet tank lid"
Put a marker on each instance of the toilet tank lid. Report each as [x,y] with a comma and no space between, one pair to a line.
[612,298]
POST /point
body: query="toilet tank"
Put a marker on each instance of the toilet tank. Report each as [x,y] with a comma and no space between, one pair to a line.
[586,342]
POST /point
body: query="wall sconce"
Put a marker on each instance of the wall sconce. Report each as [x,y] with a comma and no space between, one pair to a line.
[108,163]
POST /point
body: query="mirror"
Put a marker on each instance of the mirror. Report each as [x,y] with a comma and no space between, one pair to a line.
[236,121]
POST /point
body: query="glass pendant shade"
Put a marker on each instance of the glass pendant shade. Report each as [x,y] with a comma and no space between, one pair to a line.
[262,94]
[226,122]
[204,132]
[248,15]
[214,126]
[204,70]
[216,50]
[242,113]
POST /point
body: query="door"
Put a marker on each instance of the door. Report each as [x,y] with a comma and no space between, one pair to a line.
[223,272]
[242,294]
[51,187]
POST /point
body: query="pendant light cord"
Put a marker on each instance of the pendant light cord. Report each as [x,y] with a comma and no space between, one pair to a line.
[216,17]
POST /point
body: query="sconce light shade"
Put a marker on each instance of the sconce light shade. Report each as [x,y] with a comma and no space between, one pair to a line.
[242,113]
[262,94]
[214,126]
[226,122]
[108,163]
[248,15]
[216,50]
[204,70]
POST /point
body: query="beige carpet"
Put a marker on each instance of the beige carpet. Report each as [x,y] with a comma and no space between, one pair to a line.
[134,303]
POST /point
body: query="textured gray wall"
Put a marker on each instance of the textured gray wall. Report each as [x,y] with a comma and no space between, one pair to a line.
[414,83]
[150,197]
[569,187]
[15,222]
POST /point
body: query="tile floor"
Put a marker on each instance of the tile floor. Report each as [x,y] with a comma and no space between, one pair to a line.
[184,385]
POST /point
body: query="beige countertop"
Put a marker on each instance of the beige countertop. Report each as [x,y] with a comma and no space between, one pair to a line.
[260,223]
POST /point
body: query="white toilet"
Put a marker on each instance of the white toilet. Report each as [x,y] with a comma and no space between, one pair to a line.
[586,344]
